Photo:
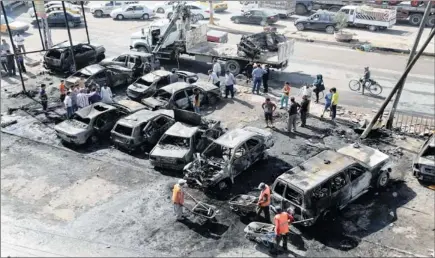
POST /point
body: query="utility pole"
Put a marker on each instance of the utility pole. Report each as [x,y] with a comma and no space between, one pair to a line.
[396,87]
[211,21]
[74,68]
[393,109]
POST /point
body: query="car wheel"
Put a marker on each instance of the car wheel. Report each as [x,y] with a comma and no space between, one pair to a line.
[300,27]
[373,28]
[382,180]
[99,13]
[415,19]
[233,66]
[301,9]
[430,22]
[120,17]
[200,17]
[71,24]
[263,23]
[145,16]
[330,30]
[160,10]
[236,21]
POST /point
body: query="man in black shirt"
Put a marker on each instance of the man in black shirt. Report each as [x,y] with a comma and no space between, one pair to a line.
[304,110]
[292,114]
[266,78]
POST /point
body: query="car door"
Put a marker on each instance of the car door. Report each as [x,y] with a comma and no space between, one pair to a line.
[104,122]
[278,191]
[180,99]
[121,60]
[138,11]
[129,12]
[320,198]
[241,159]
[360,179]
[314,22]
[89,54]
[131,60]
[341,191]
[163,123]
[255,148]
[100,78]
[246,17]
[52,19]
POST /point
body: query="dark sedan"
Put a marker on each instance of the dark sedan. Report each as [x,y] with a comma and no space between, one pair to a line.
[57,18]
[256,16]
[321,20]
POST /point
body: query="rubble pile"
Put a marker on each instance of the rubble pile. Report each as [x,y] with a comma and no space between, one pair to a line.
[253,45]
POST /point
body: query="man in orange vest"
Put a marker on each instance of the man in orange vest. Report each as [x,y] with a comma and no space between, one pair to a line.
[62,90]
[264,201]
[282,223]
[178,198]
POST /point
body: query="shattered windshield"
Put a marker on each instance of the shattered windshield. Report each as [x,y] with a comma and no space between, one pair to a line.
[177,141]
[163,95]
[217,151]
[79,119]
[429,153]
[143,82]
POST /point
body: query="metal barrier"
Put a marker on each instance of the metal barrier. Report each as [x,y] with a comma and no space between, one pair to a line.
[413,124]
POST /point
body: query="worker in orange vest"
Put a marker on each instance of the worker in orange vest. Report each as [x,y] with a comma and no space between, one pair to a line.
[264,201]
[282,223]
[178,198]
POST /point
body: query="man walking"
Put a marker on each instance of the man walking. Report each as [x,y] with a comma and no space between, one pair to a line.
[266,78]
[318,86]
[328,99]
[106,95]
[10,63]
[19,42]
[285,95]
[307,91]
[68,105]
[248,70]
[212,76]
[217,68]
[62,90]
[257,77]
[21,62]
[282,223]
[82,99]
[269,107]
[178,199]
[334,103]
[229,84]
[264,202]
[292,115]
[44,98]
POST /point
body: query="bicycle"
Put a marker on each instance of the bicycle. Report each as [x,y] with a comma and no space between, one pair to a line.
[372,86]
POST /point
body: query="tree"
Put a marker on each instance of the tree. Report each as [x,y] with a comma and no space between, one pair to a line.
[341,19]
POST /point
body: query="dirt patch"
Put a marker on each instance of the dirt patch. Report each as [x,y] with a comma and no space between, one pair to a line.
[29,190]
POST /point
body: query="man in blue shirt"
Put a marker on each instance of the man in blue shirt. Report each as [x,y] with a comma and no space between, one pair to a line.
[328,99]
[257,77]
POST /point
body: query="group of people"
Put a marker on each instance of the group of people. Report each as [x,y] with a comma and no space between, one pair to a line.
[229,79]
[7,57]
[258,75]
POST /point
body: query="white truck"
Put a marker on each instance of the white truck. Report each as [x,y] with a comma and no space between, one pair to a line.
[369,17]
[284,9]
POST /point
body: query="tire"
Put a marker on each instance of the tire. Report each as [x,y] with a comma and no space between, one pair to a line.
[145,16]
[92,140]
[301,9]
[330,30]
[99,13]
[415,19]
[169,15]
[382,180]
[430,21]
[354,85]
[300,27]
[263,23]
[71,24]
[233,66]
[120,17]
[375,89]
[200,17]
[334,9]
[160,10]
[237,21]
[373,28]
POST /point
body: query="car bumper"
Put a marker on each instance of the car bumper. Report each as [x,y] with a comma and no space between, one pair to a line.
[423,177]
[69,139]
[166,165]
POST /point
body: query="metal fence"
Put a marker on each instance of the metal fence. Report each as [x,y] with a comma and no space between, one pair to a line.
[413,124]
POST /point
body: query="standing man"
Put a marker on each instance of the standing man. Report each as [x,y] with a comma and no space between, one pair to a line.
[269,107]
[264,201]
[196,101]
[229,84]
[81,82]
[318,86]
[328,99]
[178,199]
[212,76]
[217,68]
[285,95]
[304,110]
[5,46]
[83,98]
[248,70]
[62,90]
[266,78]
[282,227]
[106,95]
[21,62]
[334,103]
[68,105]
[292,115]
[173,78]
[73,95]
[44,98]
[257,77]
[307,91]
[94,97]
[4,61]
[19,42]
[10,63]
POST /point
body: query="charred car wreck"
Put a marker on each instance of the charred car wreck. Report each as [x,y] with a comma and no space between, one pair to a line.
[227,157]
[254,45]
[424,163]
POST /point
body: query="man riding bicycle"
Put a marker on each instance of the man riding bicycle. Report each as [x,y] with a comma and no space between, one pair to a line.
[366,77]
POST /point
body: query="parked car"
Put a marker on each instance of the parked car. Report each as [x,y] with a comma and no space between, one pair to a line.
[424,164]
[321,20]
[100,9]
[256,16]
[329,181]
[180,142]
[112,76]
[132,11]
[198,10]
[147,85]
[57,18]
[15,26]
[179,95]
[59,57]
[218,6]
[128,59]
[90,123]
[56,6]
[227,157]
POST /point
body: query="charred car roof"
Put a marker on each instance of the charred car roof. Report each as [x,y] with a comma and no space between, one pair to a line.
[206,86]
[365,154]
[143,116]
[234,137]
[94,110]
[63,46]
[131,105]
[173,87]
[152,76]
[315,170]
[182,130]
[92,69]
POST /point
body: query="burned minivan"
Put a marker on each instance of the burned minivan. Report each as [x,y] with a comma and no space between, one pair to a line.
[228,156]
[424,163]
[329,181]
[141,129]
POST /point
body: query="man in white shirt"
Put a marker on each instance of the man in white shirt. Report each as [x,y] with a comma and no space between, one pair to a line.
[19,42]
[68,105]
[106,95]
[229,84]
[83,99]
[214,78]
[217,68]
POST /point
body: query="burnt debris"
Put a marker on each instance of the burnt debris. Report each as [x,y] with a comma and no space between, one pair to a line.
[255,44]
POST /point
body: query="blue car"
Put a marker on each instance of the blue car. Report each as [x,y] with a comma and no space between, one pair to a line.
[57,18]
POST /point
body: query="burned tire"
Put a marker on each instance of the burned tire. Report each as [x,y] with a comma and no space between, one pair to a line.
[382,180]
[430,21]
[415,19]
[170,15]
[232,66]
[223,186]
[200,17]
[300,27]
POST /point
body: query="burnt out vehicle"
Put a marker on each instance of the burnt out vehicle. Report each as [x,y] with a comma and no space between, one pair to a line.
[424,164]
[95,121]
[180,95]
[129,59]
[141,129]
[329,181]
[147,85]
[59,58]
[112,76]
[181,141]
[227,157]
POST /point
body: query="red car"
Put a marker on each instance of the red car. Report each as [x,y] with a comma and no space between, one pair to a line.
[217,36]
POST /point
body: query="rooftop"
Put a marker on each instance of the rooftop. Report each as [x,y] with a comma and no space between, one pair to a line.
[94,110]
[365,154]
[138,117]
[182,130]
[234,137]
[152,76]
[175,87]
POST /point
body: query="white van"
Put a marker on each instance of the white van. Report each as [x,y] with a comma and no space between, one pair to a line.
[100,9]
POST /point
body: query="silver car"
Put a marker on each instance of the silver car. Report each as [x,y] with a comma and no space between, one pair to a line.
[133,11]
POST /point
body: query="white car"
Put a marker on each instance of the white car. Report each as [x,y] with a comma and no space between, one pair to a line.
[133,11]
[198,10]
[100,9]
[164,7]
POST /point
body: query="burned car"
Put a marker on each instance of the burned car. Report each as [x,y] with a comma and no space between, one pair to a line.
[93,122]
[147,85]
[128,59]
[227,157]
[59,57]
[329,181]
[112,76]
[424,164]
[181,141]
[141,129]
[180,95]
